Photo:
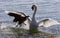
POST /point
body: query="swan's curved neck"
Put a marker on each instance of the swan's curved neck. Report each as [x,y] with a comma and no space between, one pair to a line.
[33,17]
[33,24]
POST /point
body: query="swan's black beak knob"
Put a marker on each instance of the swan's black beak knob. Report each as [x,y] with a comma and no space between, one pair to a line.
[34,7]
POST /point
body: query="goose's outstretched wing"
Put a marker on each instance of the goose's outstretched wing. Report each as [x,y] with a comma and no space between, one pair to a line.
[48,22]
[16,13]
[18,16]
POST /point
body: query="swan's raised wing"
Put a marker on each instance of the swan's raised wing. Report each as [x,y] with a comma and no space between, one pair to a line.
[48,22]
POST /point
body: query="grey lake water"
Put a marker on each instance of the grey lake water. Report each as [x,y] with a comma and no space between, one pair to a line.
[45,9]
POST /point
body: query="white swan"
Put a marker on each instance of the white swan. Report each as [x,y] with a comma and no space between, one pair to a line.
[45,22]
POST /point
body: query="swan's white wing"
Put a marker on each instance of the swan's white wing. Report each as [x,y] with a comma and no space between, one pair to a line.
[48,23]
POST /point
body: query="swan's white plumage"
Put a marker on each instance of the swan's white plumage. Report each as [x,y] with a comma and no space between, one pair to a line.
[48,23]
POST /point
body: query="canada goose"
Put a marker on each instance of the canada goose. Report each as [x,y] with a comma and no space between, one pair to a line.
[20,17]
